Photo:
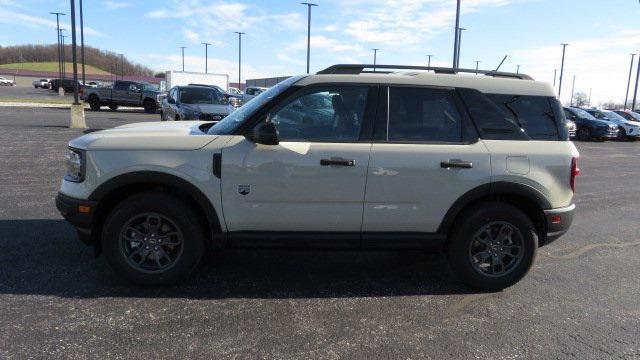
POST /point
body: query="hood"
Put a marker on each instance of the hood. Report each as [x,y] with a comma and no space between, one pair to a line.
[210,108]
[183,135]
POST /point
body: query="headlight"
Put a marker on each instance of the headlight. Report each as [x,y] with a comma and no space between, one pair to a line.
[75,161]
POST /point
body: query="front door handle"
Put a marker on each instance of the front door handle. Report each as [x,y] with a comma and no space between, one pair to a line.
[457,164]
[337,161]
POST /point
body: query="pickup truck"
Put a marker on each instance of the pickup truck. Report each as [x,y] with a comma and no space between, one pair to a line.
[123,93]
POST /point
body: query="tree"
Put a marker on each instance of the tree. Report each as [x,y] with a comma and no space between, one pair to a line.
[581,99]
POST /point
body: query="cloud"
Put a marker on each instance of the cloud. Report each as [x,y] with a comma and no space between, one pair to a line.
[115,5]
[324,43]
[15,18]
[191,35]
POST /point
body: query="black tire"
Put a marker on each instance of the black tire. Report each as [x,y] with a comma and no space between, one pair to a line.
[94,103]
[150,106]
[113,107]
[583,134]
[122,254]
[463,243]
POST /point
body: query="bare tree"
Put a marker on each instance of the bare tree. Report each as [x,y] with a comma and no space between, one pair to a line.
[581,99]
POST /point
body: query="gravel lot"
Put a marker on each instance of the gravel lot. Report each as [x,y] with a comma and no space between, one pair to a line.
[581,300]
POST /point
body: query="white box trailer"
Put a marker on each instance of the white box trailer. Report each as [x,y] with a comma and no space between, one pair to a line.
[181,78]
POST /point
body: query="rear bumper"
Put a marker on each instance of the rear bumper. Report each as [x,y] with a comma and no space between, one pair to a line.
[558,221]
[79,213]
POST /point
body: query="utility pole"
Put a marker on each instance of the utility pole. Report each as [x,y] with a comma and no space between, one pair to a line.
[477,63]
[77,109]
[84,80]
[57,14]
[206,57]
[635,91]
[572,88]
[375,58]
[309,5]
[240,33]
[626,95]
[429,61]
[554,77]
[182,48]
[460,30]
[456,32]
[564,47]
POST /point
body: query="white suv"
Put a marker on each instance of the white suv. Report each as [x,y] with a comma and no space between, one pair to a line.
[477,166]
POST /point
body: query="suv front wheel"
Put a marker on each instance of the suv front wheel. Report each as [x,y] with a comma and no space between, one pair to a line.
[492,246]
[153,238]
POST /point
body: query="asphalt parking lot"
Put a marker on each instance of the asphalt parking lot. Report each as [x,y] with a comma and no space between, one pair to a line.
[31,93]
[581,299]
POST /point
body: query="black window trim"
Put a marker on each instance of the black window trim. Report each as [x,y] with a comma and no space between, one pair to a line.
[468,131]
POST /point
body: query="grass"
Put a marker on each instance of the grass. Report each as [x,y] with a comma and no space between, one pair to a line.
[53,67]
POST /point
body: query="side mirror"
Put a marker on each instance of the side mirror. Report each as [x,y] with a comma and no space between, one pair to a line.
[265,134]
[171,100]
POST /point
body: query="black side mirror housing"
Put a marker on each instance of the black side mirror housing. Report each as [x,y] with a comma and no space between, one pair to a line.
[265,134]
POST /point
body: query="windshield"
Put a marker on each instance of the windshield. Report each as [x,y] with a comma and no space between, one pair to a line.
[196,95]
[598,114]
[150,87]
[634,115]
[583,114]
[230,123]
[613,116]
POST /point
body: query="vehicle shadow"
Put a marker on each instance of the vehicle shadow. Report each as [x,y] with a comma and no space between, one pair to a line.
[44,257]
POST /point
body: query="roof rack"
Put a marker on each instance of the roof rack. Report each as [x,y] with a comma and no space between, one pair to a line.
[355,69]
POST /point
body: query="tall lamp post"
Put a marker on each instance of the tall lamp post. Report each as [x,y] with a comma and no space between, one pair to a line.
[64,58]
[456,33]
[309,5]
[429,60]
[626,94]
[182,48]
[477,63]
[77,109]
[564,47]
[57,14]
[635,91]
[460,30]
[84,80]
[240,33]
[121,66]
[555,71]
[572,88]
[375,58]
[206,57]
[517,69]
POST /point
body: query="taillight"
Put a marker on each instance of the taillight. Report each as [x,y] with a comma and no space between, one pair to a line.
[575,171]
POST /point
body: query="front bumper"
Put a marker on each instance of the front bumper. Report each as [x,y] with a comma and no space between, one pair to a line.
[558,222]
[606,133]
[79,213]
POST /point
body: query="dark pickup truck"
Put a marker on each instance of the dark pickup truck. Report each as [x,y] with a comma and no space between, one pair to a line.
[123,93]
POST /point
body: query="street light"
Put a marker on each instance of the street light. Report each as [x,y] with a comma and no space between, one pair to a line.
[626,95]
[240,33]
[554,77]
[572,88]
[456,33]
[375,58]
[77,109]
[429,61]
[460,30]
[517,69]
[477,63]
[206,57]
[57,14]
[635,92]
[84,80]
[564,47]
[182,48]
[64,58]
[121,66]
[309,5]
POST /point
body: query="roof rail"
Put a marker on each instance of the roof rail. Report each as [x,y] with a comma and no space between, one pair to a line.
[355,69]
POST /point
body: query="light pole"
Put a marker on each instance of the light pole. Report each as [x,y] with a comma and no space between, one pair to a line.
[517,69]
[206,57]
[477,63]
[572,88]
[182,48]
[57,14]
[635,91]
[456,33]
[375,58]
[240,33]
[121,66]
[626,95]
[554,77]
[64,58]
[564,47]
[429,61]
[77,109]
[309,5]
[84,80]
[460,30]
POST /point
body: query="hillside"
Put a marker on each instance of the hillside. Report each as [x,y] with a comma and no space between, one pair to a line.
[103,61]
[53,67]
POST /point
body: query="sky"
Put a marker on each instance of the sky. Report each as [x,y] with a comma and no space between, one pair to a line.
[601,35]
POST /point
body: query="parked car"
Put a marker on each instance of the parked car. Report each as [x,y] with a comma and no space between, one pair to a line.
[572,128]
[233,99]
[628,114]
[251,92]
[124,93]
[66,84]
[590,128]
[445,163]
[195,103]
[628,129]
[42,83]
[93,84]
[234,91]
[6,82]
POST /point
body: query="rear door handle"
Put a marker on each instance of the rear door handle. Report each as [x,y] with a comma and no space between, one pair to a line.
[337,161]
[457,164]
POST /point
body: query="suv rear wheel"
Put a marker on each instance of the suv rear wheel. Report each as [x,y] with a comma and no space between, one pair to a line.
[492,246]
[153,238]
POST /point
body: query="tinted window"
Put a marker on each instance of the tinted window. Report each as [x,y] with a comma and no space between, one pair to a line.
[323,114]
[423,115]
[121,85]
[532,113]
[197,95]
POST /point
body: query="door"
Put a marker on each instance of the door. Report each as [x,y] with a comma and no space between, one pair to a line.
[314,179]
[120,92]
[424,158]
